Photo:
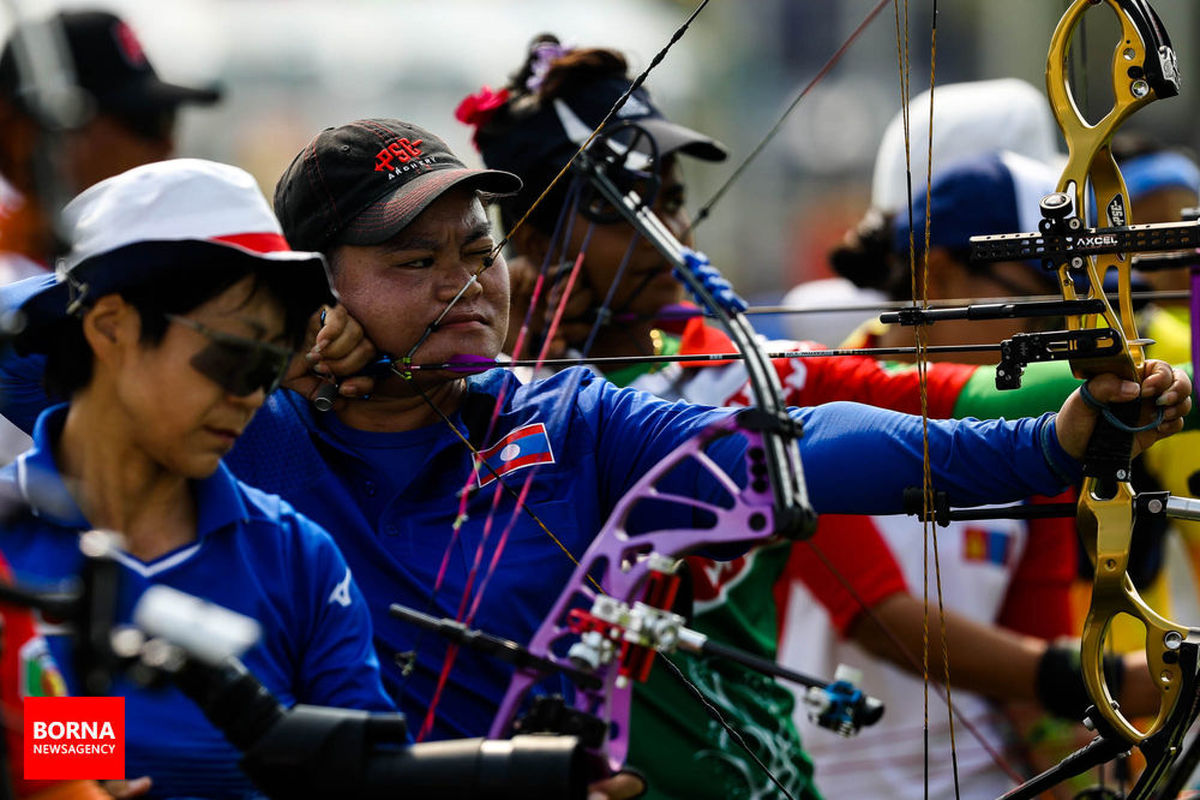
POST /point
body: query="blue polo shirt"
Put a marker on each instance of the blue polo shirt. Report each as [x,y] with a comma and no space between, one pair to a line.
[253,554]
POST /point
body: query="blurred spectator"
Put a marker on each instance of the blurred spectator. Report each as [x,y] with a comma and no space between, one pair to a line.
[132,122]
[969,119]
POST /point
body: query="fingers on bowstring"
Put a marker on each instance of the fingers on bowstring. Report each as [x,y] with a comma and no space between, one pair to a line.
[342,347]
[313,329]
[345,357]
[334,325]
[358,386]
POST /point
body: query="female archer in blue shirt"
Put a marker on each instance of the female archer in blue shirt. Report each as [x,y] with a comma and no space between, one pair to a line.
[175,313]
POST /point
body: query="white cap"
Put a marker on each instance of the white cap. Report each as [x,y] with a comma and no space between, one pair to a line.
[969,119]
[179,215]
[184,199]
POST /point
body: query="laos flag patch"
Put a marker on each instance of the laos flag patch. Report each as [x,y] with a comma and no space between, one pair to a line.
[523,447]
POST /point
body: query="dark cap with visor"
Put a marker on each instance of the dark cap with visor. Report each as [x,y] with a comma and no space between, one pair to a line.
[110,64]
[1014,186]
[363,182]
[558,127]
[536,141]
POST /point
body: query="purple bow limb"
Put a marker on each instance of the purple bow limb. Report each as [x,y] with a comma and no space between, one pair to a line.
[617,559]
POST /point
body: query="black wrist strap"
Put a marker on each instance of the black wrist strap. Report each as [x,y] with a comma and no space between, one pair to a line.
[1059,684]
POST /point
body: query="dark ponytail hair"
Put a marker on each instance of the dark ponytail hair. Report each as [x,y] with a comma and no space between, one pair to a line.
[867,258]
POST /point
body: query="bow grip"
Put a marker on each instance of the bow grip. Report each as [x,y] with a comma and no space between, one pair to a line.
[1110,448]
[1105,526]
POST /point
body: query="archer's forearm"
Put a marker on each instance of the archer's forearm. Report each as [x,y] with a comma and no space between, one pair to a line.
[984,659]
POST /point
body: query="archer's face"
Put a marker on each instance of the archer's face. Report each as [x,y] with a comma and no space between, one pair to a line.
[176,416]
[646,285]
[397,288]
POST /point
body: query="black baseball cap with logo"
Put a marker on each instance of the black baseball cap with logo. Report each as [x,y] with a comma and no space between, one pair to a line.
[112,67]
[363,182]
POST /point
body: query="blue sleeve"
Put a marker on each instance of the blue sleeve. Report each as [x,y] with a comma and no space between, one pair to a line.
[338,666]
[860,459]
[21,394]
[857,459]
[634,431]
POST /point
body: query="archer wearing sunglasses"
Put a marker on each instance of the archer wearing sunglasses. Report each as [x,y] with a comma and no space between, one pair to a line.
[173,316]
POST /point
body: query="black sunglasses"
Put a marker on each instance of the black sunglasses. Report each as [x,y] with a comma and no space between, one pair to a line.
[238,365]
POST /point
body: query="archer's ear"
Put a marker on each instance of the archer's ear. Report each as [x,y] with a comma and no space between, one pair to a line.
[531,243]
[111,326]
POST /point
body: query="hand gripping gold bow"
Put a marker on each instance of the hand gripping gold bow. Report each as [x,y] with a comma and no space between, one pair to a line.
[1143,70]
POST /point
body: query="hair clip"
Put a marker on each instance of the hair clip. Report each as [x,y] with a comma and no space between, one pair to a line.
[544,54]
[476,109]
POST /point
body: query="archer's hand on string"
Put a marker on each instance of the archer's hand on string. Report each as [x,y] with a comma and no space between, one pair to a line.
[335,348]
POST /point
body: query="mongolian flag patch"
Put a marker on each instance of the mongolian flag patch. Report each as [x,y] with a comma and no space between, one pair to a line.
[982,545]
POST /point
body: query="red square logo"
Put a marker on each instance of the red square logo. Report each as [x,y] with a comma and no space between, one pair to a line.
[74,738]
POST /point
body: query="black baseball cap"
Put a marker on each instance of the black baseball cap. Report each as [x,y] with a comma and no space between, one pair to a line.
[558,127]
[361,183]
[112,67]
